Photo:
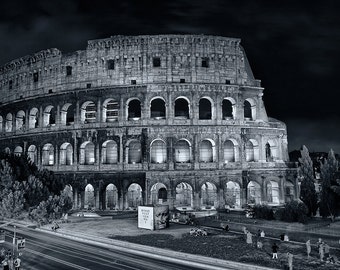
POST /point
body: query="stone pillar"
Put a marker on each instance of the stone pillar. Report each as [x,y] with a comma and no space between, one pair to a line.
[221,200]
[56,156]
[77,115]
[121,149]
[75,198]
[82,199]
[171,196]
[281,190]
[99,111]
[97,205]
[121,200]
[41,118]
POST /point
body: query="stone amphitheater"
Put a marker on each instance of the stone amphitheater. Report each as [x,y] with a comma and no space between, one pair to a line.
[135,120]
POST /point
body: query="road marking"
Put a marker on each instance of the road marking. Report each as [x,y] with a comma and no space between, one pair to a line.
[75,266]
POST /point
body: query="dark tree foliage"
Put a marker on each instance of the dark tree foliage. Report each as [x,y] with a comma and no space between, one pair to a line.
[307,189]
[263,212]
[293,211]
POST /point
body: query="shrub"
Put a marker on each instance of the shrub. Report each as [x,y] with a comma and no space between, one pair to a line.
[263,212]
[293,211]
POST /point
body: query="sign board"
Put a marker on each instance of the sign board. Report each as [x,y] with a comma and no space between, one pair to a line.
[2,236]
[21,243]
[153,217]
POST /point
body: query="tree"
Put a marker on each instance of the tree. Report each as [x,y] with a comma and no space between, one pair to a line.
[12,202]
[329,186]
[307,189]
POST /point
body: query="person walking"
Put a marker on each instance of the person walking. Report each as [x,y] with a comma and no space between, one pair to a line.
[308,247]
[275,249]
[321,251]
[5,264]
[249,238]
[290,261]
[17,263]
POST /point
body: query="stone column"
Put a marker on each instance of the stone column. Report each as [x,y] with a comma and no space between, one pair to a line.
[75,198]
[281,190]
[97,205]
[99,111]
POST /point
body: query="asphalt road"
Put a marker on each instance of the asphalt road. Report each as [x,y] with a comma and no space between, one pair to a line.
[50,252]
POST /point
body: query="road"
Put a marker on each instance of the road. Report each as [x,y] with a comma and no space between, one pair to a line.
[50,252]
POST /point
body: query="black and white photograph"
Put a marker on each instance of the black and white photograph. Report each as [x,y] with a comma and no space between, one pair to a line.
[170,134]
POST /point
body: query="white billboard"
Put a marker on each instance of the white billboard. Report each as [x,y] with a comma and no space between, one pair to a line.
[145,217]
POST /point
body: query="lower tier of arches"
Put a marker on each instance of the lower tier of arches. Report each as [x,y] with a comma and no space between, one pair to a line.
[193,190]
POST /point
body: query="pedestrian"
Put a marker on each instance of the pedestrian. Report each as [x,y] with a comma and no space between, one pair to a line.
[249,238]
[262,234]
[17,263]
[282,236]
[244,229]
[285,238]
[258,233]
[321,251]
[275,249]
[5,264]
[290,260]
[326,248]
[309,248]
[259,244]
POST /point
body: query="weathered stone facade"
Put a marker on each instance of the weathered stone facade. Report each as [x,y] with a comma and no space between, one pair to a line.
[180,115]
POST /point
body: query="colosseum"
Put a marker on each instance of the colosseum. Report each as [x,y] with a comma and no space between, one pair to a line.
[137,120]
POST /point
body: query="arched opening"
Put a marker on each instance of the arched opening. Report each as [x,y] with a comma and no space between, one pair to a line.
[229,151]
[205,112]
[181,108]
[32,153]
[33,121]
[67,115]
[18,151]
[134,195]
[228,109]
[89,200]
[88,112]
[184,196]
[110,110]
[254,193]
[271,151]
[252,151]
[208,195]
[268,153]
[157,109]
[9,123]
[87,153]
[273,192]
[49,116]
[159,193]
[233,195]
[134,152]
[48,155]
[289,191]
[206,151]
[158,151]
[182,151]
[66,154]
[111,197]
[20,121]
[134,110]
[249,108]
[109,152]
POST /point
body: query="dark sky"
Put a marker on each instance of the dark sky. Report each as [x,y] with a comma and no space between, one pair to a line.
[292,47]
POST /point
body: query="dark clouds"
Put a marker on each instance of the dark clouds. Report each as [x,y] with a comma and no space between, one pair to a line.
[292,47]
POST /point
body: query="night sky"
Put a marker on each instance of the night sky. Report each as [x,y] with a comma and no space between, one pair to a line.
[293,48]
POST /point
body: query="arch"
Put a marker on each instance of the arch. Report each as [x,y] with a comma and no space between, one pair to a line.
[134,109]
[157,108]
[182,108]
[66,154]
[111,197]
[273,196]
[158,151]
[87,153]
[249,109]
[18,151]
[183,151]
[9,123]
[184,196]
[254,192]
[88,112]
[32,153]
[89,197]
[134,152]
[67,115]
[208,195]
[228,108]
[233,194]
[205,109]
[33,121]
[252,150]
[134,195]
[271,150]
[1,124]
[207,151]
[159,193]
[230,151]
[48,155]
[20,120]
[49,116]
[110,110]
[109,152]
